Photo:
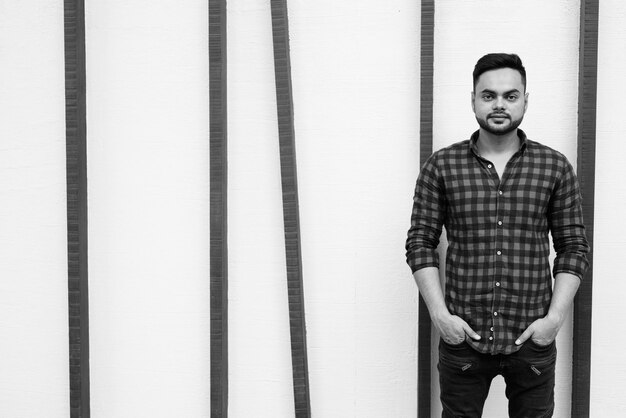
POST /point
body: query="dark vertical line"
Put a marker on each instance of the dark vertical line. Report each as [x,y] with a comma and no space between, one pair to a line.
[587,92]
[218,208]
[427,48]
[289,179]
[76,173]
[427,36]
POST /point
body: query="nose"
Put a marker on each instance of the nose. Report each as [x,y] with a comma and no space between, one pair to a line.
[498,103]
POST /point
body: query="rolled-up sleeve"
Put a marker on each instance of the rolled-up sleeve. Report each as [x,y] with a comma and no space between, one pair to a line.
[566,225]
[427,218]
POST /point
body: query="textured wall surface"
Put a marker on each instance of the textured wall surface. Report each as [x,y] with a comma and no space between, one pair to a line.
[355,70]
[608,367]
[147,130]
[259,342]
[34,380]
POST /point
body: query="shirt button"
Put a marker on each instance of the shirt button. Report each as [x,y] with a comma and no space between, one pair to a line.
[489,166]
[499,222]
[498,284]
[490,338]
[500,192]
[499,252]
[491,329]
[495,314]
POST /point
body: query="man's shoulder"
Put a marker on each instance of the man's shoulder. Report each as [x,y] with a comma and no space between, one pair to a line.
[454,154]
[542,151]
[457,149]
[444,157]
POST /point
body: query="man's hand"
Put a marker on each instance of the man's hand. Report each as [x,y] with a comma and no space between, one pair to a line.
[543,331]
[453,329]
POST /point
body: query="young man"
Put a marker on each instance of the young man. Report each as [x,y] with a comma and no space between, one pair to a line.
[498,195]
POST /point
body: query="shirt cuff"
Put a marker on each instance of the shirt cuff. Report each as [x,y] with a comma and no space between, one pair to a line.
[422,258]
[574,264]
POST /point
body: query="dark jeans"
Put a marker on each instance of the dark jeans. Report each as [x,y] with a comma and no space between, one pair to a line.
[465,376]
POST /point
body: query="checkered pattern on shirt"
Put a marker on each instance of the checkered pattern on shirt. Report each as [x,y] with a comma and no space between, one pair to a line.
[497,269]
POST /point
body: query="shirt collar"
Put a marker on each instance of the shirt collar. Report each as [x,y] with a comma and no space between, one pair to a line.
[473,142]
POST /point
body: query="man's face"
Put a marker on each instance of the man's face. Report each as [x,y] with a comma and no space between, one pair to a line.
[499,100]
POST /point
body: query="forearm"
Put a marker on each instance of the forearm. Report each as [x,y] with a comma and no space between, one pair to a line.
[565,287]
[451,327]
[427,280]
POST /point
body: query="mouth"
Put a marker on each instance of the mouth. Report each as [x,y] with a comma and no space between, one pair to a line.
[498,116]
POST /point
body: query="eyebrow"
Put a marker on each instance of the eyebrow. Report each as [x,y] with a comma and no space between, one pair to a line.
[505,93]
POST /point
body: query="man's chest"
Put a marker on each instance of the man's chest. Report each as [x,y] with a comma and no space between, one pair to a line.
[475,192]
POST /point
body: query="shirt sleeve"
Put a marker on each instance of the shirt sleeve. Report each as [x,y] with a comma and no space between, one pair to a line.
[427,218]
[566,225]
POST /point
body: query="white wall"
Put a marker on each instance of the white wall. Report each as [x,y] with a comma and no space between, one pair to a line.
[34,348]
[608,367]
[355,72]
[356,116]
[147,130]
[547,42]
[260,382]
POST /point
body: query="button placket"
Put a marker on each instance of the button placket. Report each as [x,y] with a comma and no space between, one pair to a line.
[497,285]
[491,328]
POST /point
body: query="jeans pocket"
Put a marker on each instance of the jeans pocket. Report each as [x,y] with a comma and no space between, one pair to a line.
[541,347]
[544,351]
[460,346]
[541,358]
[456,357]
[458,364]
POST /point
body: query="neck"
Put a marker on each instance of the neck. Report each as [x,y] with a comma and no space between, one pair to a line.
[489,143]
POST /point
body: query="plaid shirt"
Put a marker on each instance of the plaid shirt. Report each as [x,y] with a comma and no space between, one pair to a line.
[497,269]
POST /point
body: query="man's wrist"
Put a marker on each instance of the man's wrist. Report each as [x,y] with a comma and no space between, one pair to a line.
[440,314]
[556,317]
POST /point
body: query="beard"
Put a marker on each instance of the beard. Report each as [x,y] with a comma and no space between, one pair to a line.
[499,129]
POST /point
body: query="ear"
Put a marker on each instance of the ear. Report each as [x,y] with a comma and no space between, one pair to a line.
[473,99]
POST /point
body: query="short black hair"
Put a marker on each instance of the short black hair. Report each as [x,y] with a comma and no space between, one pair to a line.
[496,61]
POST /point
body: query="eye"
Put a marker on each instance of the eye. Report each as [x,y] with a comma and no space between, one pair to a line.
[512,97]
[487,97]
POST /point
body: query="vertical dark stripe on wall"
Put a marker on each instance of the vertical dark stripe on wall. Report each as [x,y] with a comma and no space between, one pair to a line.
[289,179]
[76,173]
[587,91]
[218,208]
[426,149]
